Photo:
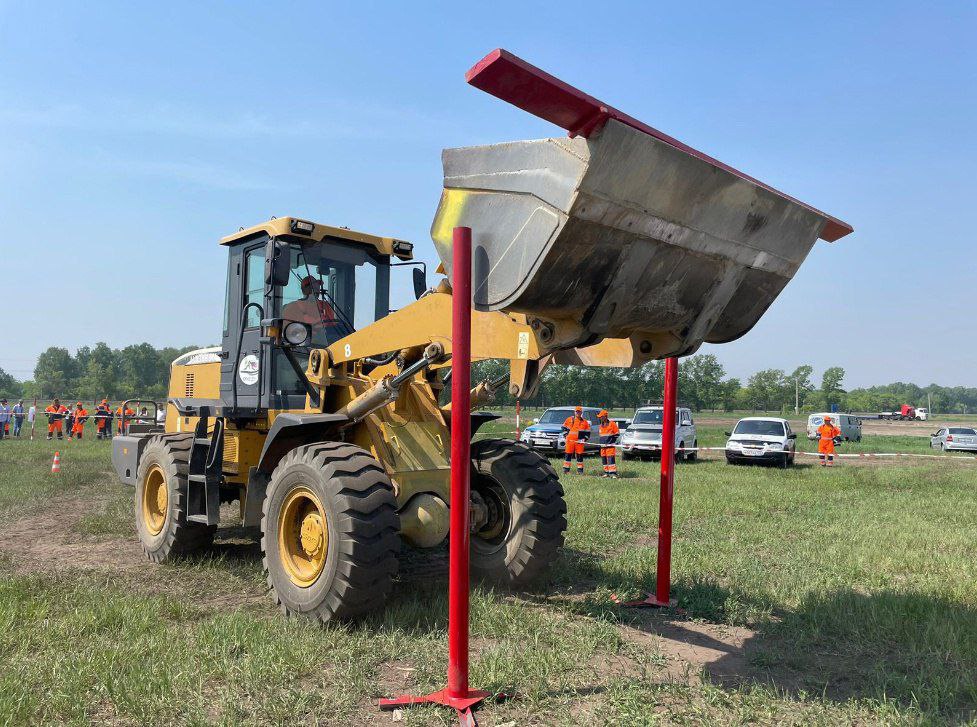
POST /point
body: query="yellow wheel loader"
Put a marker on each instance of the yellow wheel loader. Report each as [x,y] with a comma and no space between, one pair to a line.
[319,412]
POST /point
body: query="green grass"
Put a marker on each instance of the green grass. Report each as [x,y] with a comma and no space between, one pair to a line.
[858,586]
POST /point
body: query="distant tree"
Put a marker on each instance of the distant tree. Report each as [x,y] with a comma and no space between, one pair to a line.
[765,389]
[10,388]
[801,378]
[831,389]
[101,375]
[701,381]
[55,372]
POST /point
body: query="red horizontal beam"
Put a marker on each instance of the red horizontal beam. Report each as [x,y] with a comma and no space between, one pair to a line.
[522,84]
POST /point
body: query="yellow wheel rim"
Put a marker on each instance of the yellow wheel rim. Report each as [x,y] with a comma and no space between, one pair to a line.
[155,499]
[303,536]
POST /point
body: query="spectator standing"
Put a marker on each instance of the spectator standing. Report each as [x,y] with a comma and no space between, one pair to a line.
[18,412]
[55,418]
[80,416]
[4,417]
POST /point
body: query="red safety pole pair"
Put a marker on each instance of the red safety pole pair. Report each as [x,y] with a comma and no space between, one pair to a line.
[661,597]
[457,695]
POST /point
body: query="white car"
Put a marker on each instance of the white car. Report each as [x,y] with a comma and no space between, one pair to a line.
[761,439]
[644,437]
[955,439]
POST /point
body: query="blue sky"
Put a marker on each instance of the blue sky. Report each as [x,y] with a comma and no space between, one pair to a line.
[134,135]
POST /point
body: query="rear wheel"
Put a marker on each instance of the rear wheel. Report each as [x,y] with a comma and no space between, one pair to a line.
[330,533]
[523,531]
[160,500]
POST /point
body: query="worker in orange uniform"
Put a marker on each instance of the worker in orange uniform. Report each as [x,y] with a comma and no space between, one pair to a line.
[78,425]
[608,431]
[125,418]
[827,433]
[55,418]
[101,420]
[577,431]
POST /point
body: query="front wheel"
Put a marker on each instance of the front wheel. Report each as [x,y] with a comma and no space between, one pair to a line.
[161,497]
[694,454]
[330,532]
[525,514]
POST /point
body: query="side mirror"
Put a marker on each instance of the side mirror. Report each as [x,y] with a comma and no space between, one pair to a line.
[792,435]
[277,264]
[728,434]
[420,283]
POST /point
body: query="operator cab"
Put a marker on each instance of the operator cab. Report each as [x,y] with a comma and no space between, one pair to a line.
[290,270]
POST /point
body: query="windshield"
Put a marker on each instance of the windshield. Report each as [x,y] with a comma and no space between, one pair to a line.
[762,426]
[558,416]
[963,430]
[655,416]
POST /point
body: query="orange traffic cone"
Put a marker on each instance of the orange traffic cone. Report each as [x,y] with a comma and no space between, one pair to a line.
[56,464]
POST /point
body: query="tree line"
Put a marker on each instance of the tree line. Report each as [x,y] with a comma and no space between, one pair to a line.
[142,371]
[96,372]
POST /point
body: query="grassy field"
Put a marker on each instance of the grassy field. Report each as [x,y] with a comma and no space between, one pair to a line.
[810,597]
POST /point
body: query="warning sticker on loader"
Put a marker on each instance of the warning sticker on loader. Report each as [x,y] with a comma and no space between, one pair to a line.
[522,350]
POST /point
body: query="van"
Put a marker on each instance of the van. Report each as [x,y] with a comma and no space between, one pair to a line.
[849,424]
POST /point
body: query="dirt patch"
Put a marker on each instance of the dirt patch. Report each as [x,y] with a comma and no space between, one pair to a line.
[48,541]
[693,648]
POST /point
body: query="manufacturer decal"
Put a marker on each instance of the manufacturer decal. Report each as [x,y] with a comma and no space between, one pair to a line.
[248,369]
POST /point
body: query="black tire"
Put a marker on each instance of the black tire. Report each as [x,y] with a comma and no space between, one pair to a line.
[785,461]
[165,462]
[693,455]
[362,531]
[525,496]
[680,452]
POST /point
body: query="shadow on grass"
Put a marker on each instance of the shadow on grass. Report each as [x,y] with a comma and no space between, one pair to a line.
[916,650]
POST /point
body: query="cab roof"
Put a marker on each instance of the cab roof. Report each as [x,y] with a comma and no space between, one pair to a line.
[300,229]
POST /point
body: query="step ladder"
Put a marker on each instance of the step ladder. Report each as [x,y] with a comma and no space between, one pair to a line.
[206,471]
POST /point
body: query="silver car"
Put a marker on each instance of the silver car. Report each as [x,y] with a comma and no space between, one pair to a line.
[953,439]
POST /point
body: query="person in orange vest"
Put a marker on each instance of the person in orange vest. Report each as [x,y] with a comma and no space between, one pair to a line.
[78,424]
[101,419]
[55,418]
[577,431]
[608,432]
[827,433]
[311,309]
[125,418]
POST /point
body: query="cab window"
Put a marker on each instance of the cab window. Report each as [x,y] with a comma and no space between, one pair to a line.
[254,285]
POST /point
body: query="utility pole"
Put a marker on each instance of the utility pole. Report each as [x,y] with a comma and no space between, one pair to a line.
[797,397]
[929,403]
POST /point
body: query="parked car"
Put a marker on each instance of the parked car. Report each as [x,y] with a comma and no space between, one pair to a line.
[622,422]
[761,439]
[955,439]
[644,437]
[546,434]
[849,424]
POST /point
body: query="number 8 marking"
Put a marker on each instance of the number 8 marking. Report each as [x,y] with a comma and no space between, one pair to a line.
[347,351]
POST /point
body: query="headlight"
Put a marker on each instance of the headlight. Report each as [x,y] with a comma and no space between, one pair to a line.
[297,333]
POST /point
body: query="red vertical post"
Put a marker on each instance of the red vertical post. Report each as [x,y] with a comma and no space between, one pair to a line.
[518,423]
[461,365]
[664,573]
[457,694]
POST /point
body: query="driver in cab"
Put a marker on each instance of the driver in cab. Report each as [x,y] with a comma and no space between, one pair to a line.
[312,309]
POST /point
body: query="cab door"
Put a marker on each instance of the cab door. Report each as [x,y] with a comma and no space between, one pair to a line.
[244,373]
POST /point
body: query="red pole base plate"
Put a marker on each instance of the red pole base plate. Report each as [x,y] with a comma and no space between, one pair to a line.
[462,705]
[651,601]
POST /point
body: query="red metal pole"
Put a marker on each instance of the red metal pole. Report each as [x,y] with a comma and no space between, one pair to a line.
[461,364]
[663,576]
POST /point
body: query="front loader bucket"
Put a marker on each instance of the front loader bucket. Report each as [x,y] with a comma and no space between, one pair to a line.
[623,235]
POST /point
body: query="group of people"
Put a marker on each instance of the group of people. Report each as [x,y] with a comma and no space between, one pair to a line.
[577,430]
[63,419]
[12,418]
